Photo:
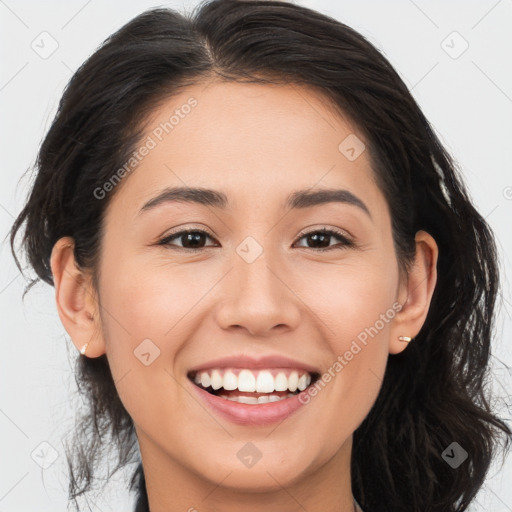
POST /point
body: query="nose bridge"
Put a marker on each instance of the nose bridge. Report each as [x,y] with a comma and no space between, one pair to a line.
[257,296]
[258,277]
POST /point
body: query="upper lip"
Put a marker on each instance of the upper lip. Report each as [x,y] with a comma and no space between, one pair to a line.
[250,362]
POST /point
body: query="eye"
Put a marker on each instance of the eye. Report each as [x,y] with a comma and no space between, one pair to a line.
[191,239]
[323,236]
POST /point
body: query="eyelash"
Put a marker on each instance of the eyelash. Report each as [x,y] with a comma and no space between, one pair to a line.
[346,242]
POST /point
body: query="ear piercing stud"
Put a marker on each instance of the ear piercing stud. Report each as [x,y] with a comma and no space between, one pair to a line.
[83,349]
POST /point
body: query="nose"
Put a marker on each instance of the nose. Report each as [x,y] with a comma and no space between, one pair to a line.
[257,298]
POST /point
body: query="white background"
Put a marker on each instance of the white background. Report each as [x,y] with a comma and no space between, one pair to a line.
[468,99]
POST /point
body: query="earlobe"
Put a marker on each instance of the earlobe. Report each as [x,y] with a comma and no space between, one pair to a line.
[415,294]
[77,305]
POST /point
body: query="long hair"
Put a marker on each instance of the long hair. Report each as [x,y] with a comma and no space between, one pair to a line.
[434,392]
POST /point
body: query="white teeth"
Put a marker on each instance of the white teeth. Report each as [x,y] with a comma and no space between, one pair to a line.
[253,400]
[216,380]
[246,381]
[303,382]
[230,381]
[259,381]
[265,382]
[248,399]
[293,381]
[281,382]
[205,380]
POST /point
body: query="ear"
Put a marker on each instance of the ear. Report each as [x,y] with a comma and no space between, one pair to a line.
[415,292]
[76,299]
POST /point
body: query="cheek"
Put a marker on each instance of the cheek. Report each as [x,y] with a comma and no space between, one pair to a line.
[149,300]
[142,315]
[354,306]
[353,299]
[149,309]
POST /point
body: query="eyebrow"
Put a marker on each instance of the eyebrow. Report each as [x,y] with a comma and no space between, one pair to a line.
[296,200]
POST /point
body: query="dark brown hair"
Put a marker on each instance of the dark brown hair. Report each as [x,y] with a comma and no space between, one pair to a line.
[435,391]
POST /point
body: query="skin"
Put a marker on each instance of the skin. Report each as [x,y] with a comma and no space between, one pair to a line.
[257,144]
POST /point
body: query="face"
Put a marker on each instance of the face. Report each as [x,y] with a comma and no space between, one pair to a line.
[251,280]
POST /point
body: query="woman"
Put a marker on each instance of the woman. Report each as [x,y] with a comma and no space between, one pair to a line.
[187,195]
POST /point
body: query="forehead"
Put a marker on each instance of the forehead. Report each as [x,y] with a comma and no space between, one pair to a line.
[255,142]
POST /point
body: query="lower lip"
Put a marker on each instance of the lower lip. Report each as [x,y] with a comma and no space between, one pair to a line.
[252,414]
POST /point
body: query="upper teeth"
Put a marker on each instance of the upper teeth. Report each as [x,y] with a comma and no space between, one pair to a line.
[260,381]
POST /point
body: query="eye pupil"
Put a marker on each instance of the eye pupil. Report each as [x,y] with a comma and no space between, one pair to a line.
[193,237]
[316,236]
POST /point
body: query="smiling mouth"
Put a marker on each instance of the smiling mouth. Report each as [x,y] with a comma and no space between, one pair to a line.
[253,386]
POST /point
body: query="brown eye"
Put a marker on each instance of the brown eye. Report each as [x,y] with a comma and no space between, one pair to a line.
[191,240]
[320,239]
